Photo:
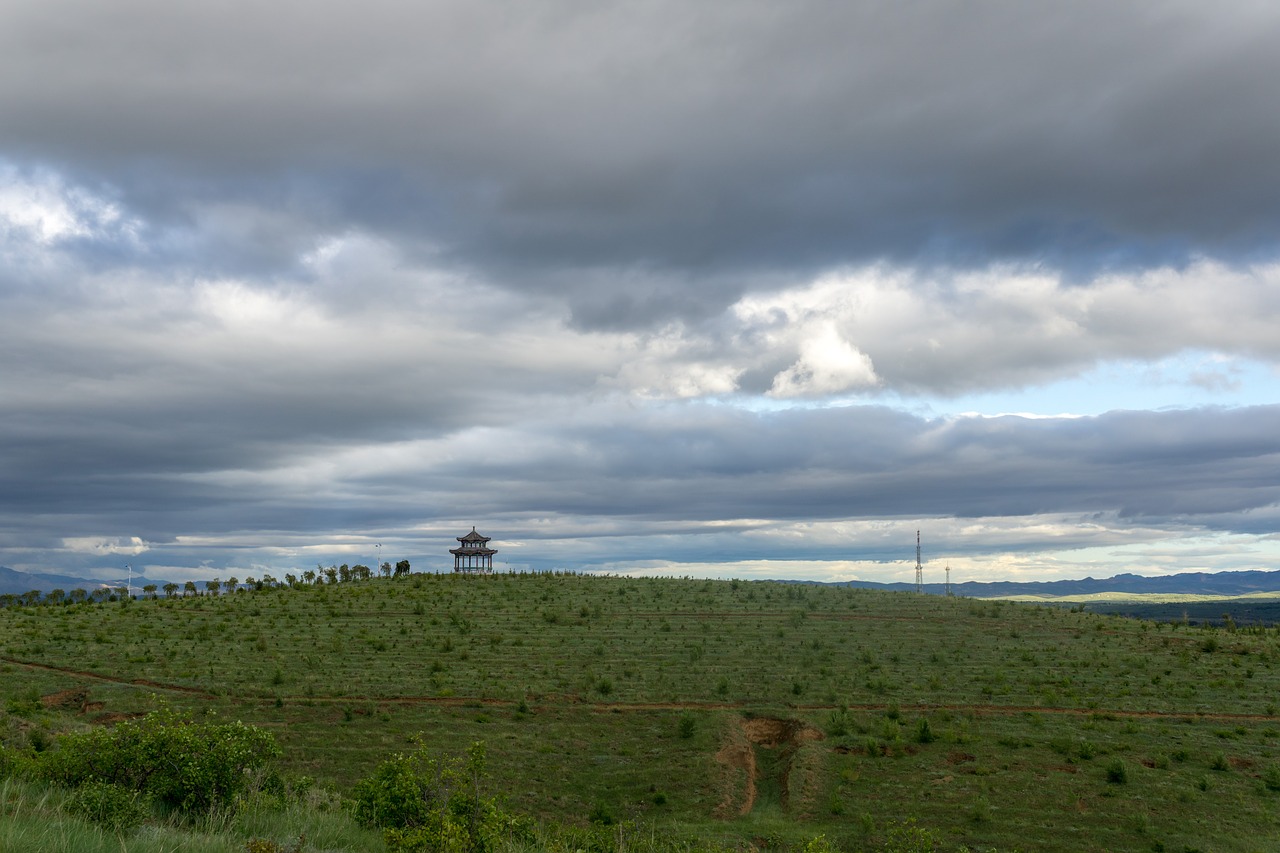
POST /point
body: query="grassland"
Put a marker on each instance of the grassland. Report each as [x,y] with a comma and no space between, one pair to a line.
[1252,609]
[748,713]
[1147,598]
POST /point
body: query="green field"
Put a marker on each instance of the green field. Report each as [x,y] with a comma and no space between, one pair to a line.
[1252,609]
[753,714]
[1146,598]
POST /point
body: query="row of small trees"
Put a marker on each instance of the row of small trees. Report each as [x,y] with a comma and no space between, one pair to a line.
[320,575]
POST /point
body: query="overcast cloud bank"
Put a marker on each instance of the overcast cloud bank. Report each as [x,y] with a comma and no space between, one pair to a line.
[723,288]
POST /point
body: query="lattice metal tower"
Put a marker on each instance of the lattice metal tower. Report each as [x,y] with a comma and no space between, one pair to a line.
[948,579]
[919,567]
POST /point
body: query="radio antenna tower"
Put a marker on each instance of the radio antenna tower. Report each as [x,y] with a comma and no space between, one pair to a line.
[919,568]
[948,578]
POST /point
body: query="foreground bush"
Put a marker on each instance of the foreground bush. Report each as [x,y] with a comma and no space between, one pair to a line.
[110,806]
[11,762]
[426,804]
[179,764]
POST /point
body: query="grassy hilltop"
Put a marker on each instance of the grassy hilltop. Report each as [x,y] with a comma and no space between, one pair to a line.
[745,713]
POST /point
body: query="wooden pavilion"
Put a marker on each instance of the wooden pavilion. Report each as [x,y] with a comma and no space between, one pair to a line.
[475,556]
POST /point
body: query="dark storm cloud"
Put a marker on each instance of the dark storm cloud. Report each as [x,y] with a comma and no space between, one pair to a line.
[681,142]
[877,463]
[721,464]
[691,483]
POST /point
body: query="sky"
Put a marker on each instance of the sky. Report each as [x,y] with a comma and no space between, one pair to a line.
[724,288]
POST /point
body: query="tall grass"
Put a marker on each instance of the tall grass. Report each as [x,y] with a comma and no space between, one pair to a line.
[32,820]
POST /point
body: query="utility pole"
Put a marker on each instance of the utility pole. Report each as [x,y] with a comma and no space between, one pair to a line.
[919,567]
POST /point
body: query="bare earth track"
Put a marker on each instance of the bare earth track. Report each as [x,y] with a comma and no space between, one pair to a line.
[567,700]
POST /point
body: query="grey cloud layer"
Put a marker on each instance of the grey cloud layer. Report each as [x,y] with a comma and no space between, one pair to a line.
[868,462]
[551,144]
[271,273]
[670,465]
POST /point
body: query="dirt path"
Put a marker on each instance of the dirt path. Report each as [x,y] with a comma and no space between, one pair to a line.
[110,679]
[784,738]
[574,700]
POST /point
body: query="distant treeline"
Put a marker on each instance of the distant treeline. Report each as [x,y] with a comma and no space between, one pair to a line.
[318,575]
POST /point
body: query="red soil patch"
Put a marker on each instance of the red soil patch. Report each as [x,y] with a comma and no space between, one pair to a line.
[738,755]
[769,732]
[74,699]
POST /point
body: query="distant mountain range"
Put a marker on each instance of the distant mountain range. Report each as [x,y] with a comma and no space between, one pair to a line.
[1190,583]
[13,581]
[1195,583]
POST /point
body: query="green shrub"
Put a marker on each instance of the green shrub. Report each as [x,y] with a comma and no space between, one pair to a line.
[839,722]
[818,844]
[425,804]
[183,765]
[1116,773]
[907,837]
[688,724]
[112,807]
[11,762]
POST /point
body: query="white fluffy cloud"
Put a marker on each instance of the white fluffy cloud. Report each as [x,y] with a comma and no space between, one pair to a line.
[131,545]
[828,365]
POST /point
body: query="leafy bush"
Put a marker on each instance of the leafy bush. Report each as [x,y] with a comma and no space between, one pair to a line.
[11,762]
[908,837]
[110,806]
[839,722]
[183,765]
[425,804]
[601,814]
[1116,773]
[818,844]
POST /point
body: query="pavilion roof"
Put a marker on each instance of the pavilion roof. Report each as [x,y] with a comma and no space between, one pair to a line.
[472,537]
